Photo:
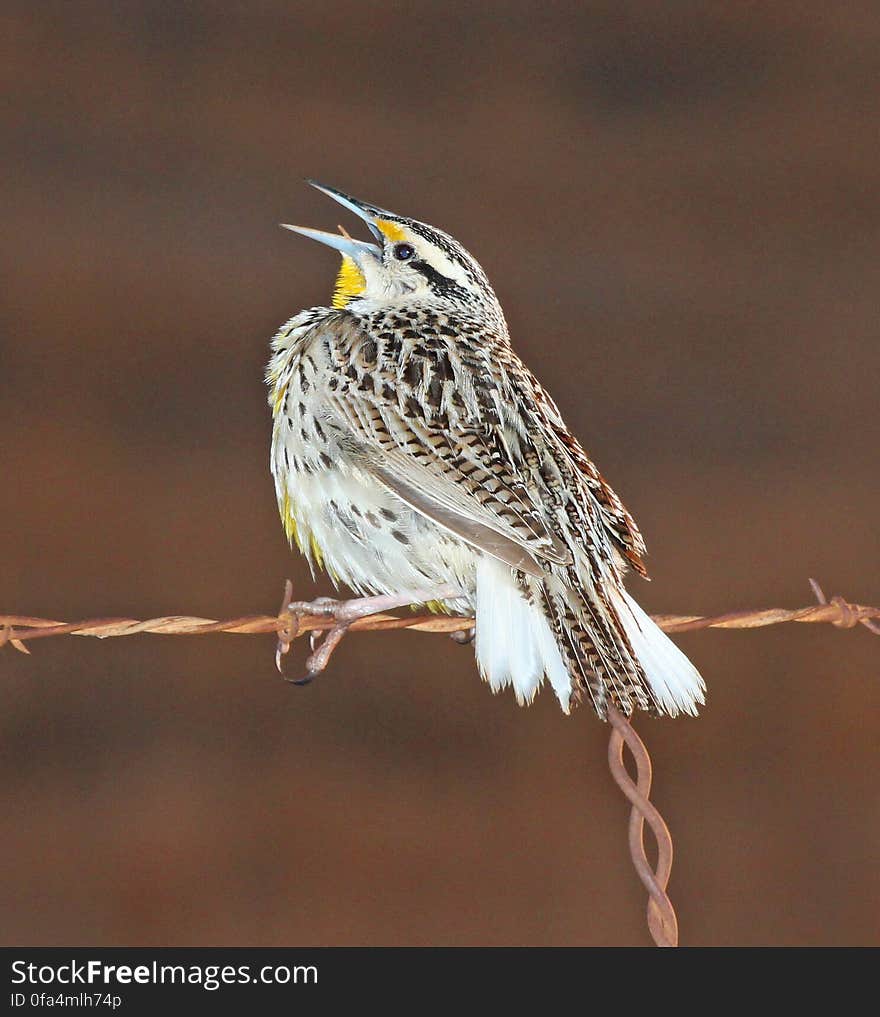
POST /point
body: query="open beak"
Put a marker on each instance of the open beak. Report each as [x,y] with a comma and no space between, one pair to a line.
[357,250]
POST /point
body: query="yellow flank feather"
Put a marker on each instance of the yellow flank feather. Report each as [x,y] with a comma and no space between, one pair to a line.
[316,551]
[391,230]
[290,530]
[294,536]
[350,283]
[278,401]
[434,606]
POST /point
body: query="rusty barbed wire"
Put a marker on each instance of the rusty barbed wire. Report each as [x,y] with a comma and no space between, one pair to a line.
[18,629]
[288,624]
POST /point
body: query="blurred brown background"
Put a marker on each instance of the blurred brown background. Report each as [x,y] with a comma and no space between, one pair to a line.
[679,205]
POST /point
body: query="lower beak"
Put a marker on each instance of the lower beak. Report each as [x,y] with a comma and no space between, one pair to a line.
[357,250]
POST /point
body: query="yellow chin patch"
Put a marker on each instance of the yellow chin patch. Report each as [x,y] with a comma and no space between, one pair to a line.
[350,283]
[391,230]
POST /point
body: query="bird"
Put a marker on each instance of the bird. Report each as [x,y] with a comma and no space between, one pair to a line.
[416,459]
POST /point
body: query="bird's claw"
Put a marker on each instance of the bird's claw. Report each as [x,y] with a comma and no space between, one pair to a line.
[309,678]
[322,642]
[464,637]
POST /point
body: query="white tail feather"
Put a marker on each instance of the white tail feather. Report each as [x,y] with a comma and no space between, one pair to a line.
[673,679]
[515,646]
[514,643]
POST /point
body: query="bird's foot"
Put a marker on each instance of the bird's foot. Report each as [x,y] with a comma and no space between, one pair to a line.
[343,614]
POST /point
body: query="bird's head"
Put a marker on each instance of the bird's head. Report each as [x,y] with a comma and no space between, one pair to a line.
[407,262]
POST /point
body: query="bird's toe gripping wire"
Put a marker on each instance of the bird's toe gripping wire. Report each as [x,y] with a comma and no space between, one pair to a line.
[322,642]
[335,618]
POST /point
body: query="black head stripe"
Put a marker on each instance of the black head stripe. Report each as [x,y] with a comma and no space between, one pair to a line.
[451,248]
[439,283]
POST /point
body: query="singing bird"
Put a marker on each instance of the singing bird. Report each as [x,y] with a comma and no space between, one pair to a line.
[416,458]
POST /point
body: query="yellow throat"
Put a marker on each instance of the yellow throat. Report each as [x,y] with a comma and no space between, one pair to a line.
[350,283]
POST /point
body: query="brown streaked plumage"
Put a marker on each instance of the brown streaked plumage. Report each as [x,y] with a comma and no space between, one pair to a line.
[412,447]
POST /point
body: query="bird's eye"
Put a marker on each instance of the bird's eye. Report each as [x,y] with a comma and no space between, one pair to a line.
[403,252]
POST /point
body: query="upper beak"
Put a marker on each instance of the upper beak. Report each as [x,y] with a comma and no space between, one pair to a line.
[354,249]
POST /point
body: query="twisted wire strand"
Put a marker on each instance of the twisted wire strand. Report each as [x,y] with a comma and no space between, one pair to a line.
[662,923]
[19,629]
